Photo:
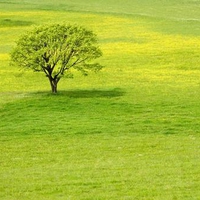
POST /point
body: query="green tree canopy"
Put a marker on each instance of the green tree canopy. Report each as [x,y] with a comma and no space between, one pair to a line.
[55,49]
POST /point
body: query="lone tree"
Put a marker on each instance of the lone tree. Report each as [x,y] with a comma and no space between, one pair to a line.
[55,50]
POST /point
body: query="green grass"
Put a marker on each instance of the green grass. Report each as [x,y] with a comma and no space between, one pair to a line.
[92,144]
[93,166]
[129,132]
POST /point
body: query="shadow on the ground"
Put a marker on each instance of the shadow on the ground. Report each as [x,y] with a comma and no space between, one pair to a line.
[92,93]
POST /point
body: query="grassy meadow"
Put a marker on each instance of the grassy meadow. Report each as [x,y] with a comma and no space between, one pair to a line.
[131,131]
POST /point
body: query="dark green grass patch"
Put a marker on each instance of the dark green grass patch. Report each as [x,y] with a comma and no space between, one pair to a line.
[10,22]
[93,111]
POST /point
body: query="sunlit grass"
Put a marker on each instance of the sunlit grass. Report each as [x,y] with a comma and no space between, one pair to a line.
[128,39]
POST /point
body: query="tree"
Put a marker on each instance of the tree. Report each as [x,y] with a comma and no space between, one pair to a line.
[55,50]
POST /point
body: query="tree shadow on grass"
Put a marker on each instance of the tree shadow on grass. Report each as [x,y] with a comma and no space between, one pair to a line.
[116,92]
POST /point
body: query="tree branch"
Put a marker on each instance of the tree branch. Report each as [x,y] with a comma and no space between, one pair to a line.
[64,63]
[80,61]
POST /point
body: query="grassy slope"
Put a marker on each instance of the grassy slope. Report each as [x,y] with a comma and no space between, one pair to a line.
[131,134]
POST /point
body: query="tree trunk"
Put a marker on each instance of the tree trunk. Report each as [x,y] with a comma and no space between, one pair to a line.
[53,83]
